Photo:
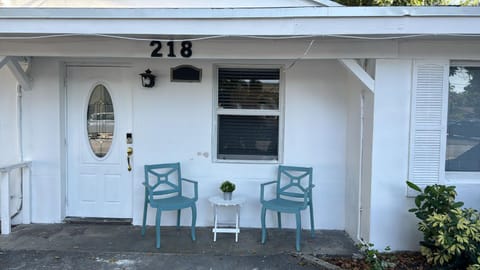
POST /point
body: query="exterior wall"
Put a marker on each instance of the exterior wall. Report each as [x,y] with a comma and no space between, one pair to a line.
[391,223]
[9,132]
[314,136]
[352,168]
[42,141]
[315,133]
[173,122]
[358,162]
[8,117]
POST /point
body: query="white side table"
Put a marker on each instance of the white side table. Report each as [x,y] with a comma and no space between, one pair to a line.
[226,227]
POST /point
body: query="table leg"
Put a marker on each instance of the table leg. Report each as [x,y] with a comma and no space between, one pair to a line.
[215,218]
[237,221]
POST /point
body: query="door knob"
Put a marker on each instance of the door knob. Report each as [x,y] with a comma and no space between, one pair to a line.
[129,154]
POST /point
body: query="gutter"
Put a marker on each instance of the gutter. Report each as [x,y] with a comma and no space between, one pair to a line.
[235,13]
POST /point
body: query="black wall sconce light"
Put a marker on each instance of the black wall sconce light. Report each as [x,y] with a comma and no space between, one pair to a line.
[148,79]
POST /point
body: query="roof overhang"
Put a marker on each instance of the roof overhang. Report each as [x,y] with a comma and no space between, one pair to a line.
[302,21]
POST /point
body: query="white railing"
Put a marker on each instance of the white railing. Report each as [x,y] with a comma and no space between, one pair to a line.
[25,168]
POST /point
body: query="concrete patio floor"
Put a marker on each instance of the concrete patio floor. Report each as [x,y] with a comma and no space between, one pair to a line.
[107,246]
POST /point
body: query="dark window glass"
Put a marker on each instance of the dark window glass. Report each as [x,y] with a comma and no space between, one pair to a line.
[248,137]
[463,127]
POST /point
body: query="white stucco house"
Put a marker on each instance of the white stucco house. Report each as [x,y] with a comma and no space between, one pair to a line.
[368,97]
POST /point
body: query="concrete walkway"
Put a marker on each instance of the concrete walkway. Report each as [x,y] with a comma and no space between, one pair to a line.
[102,246]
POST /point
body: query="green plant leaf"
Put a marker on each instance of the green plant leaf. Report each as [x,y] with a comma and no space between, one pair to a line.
[457,205]
[418,201]
[413,186]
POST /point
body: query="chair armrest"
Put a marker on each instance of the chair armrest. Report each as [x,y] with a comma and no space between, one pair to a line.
[195,187]
[262,189]
[308,194]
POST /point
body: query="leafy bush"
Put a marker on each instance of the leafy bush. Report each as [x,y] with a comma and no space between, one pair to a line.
[451,234]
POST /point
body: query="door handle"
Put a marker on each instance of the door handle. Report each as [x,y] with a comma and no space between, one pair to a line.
[129,154]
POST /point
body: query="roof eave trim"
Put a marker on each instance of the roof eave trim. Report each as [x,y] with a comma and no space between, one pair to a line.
[235,13]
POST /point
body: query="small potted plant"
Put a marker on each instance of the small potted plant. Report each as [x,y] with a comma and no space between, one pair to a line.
[227,187]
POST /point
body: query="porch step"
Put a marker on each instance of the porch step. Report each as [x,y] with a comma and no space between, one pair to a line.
[90,220]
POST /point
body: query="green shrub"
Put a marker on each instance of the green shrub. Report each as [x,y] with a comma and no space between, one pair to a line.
[451,234]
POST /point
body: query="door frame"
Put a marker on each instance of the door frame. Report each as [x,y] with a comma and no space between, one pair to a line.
[63,75]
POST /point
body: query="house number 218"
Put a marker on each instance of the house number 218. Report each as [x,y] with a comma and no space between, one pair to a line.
[185,51]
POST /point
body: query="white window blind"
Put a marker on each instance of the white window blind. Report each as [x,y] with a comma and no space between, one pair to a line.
[428,122]
[248,115]
[244,88]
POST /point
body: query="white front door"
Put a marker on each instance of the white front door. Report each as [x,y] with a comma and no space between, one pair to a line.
[99,115]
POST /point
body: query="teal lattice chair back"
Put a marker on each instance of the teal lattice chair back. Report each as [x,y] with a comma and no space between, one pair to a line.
[163,191]
[293,194]
[294,182]
[164,180]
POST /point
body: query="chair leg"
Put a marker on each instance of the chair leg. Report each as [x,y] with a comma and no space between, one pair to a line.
[179,212]
[194,221]
[279,218]
[144,216]
[299,230]
[312,224]
[264,230]
[157,226]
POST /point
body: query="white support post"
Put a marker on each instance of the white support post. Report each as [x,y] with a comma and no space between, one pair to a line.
[21,76]
[5,202]
[26,196]
[359,73]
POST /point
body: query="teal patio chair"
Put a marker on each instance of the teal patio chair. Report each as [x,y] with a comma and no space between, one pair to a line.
[163,191]
[293,194]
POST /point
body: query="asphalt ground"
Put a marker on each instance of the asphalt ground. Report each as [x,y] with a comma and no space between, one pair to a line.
[107,246]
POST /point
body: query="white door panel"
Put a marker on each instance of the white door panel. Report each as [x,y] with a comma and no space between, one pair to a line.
[99,183]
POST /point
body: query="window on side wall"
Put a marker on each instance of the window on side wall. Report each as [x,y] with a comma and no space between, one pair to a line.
[463,124]
[248,114]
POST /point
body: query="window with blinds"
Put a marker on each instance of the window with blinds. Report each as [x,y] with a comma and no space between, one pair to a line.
[248,113]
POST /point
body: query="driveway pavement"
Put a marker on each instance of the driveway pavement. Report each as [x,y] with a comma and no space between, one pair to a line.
[101,246]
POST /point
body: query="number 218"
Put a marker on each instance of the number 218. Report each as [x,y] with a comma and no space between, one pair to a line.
[185,51]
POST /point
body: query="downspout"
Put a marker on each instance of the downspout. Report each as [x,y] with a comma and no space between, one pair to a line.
[360,209]
[20,121]
[365,63]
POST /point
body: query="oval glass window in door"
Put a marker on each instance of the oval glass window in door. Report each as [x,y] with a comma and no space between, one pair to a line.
[100,121]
